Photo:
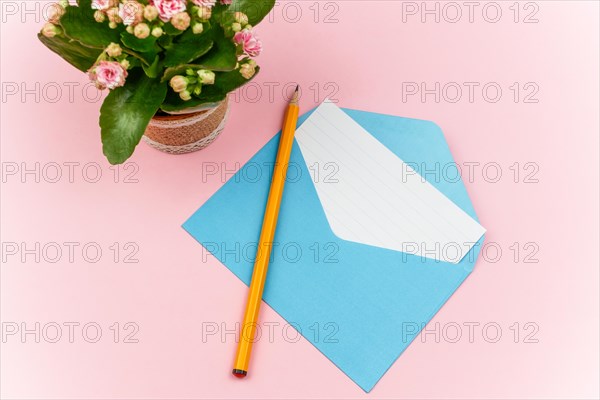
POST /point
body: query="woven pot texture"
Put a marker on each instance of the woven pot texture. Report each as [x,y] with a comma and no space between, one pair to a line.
[184,133]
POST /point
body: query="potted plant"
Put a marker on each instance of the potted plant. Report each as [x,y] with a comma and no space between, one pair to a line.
[169,65]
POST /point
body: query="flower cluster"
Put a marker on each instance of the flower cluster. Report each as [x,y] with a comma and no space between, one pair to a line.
[153,19]
[192,82]
[110,69]
[142,20]
[56,10]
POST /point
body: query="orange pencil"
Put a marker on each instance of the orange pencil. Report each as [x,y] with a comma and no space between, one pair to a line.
[263,253]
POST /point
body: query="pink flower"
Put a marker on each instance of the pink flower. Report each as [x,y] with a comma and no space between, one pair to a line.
[250,43]
[107,74]
[131,12]
[205,3]
[168,8]
[103,4]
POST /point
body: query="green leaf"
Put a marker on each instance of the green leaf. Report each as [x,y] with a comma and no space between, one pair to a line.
[145,49]
[222,55]
[126,112]
[218,11]
[76,54]
[152,71]
[146,45]
[165,41]
[171,30]
[134,62]
[79,24]
[225,82]
[256,10]
[178,70]
[188,48]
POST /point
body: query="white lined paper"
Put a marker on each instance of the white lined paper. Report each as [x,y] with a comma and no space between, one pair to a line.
[376,198]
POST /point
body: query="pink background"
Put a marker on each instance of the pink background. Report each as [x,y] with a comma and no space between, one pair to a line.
[171,294]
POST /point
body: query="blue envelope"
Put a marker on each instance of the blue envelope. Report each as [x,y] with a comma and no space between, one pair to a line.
[360,305]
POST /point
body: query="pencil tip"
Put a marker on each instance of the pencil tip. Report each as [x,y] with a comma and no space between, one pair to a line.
[294,99]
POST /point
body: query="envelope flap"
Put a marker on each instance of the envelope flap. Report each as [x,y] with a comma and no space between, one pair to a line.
[422,145]
[372,196]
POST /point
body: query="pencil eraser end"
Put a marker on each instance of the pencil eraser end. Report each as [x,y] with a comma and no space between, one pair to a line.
[239,373]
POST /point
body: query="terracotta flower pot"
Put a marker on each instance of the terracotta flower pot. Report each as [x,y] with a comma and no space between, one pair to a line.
[184,133]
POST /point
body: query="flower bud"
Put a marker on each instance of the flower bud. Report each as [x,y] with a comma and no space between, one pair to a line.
[240,18]
[197,28]
[247,70]
[56,11]
[141,31]
[113,50]
[185,95]
[206,76]
[150,13]
[236,27]
[129,29]
[204,13]
[64,3]
[157,32]
[112,25]
[99,16]
[50,30]
[198,90]
[125,63]
[113,15]
[181,20]
[178,83]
